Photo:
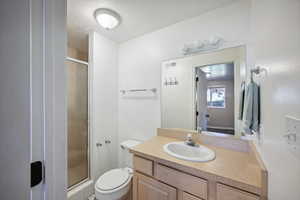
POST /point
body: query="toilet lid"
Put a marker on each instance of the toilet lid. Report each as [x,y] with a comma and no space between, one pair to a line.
[112,179]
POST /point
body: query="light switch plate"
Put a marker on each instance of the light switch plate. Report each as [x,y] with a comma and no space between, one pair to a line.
[292,126]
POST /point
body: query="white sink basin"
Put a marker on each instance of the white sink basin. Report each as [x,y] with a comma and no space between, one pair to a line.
[191,153]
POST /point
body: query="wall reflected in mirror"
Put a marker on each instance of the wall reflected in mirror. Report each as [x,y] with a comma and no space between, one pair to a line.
[206,94]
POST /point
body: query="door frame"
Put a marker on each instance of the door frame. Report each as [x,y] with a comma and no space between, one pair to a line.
[33,80]
[55,48]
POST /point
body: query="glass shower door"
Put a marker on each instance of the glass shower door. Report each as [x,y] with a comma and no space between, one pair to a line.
[78,130]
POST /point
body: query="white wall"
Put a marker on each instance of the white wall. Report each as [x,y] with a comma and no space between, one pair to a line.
[275,32]
[270,28]
[140,62]
[104,103]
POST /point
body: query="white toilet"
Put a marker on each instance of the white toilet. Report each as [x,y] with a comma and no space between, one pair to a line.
[115,184]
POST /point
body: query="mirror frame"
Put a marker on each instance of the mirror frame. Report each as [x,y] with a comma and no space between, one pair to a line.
[240,75]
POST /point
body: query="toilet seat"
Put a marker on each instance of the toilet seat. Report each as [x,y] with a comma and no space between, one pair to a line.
[113,184]
[112,180]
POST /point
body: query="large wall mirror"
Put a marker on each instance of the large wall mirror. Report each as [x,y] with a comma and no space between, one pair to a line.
[202,91]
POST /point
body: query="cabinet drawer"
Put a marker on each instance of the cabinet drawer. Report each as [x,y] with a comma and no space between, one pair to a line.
[187,196]
[225,192]
[143,165]
[182,181]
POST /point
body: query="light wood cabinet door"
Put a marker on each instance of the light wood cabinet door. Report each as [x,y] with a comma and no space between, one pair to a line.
[185,182]
[146,188]
[187,196]
[225,192]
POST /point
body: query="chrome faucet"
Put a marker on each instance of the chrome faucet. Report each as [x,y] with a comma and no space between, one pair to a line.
[189,140]
[199,129]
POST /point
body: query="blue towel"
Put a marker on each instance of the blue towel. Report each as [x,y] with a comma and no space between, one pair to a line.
[251,114]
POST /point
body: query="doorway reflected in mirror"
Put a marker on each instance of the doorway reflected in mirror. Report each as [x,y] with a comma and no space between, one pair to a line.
[214,96]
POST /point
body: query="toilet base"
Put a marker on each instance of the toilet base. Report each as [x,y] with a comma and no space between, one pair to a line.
[127,196]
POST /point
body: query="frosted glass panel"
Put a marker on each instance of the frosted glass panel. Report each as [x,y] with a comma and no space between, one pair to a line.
[77,123]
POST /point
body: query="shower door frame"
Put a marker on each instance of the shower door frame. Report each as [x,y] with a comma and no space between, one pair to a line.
[70,59]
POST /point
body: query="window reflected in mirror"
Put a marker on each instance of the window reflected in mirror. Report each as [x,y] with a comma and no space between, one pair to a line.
[216,97]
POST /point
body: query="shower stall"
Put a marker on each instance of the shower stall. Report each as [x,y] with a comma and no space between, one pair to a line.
[78,122]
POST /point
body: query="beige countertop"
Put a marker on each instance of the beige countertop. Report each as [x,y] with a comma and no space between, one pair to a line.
[237,166]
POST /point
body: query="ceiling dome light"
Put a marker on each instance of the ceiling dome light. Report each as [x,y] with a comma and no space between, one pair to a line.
[107,18]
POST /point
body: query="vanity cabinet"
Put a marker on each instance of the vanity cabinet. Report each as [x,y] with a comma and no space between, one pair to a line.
[146,188]
[236,173]
[155,181]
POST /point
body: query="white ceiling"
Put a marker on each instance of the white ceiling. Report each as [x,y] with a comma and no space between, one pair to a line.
[138,16]
[219,71]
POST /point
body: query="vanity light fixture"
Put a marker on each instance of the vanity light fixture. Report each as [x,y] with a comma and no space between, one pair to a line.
[214,42]
[107,18]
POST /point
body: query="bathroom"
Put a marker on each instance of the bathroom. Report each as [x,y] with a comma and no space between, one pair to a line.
[107,86]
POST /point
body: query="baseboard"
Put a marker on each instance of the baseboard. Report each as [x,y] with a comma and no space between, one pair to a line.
[221,127]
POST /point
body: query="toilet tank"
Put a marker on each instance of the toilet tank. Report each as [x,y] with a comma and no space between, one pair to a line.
[126,156]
